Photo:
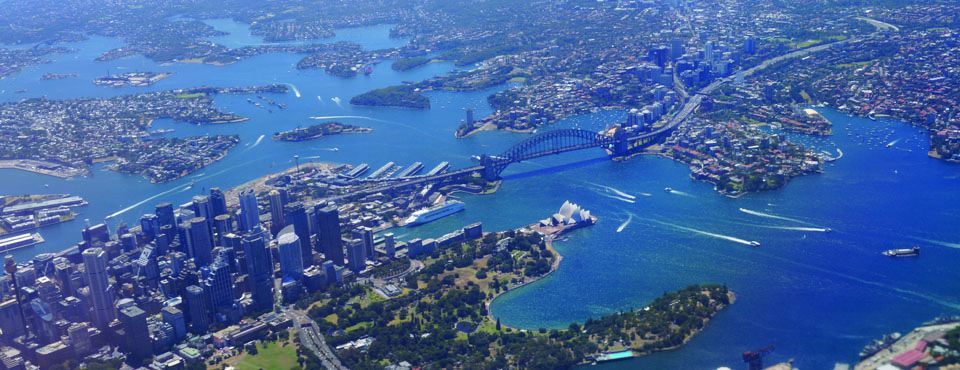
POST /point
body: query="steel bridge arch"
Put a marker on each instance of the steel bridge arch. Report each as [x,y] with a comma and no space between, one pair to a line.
[545,143]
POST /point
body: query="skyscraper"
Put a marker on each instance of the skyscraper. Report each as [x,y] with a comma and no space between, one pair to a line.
[328,230]
[199,309]
[218,283]
[676,48]
[165,215]
[96,235]
[708,53]
[135,332]
[366,235]
[173,316]
[249,214]
[749,45]
[218,202]
[223,226]
[202,207]
[11,321]
[101,292]
[259,270]
[356,255]
[201,241]
[296,215]
[150,225]
[291,259]
[276,211]
[80,338]
[389,245]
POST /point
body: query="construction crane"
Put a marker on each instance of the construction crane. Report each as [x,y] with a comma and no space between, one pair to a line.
[754,359]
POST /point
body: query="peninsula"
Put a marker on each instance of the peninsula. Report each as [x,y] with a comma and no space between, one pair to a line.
[131,79]
[76,133]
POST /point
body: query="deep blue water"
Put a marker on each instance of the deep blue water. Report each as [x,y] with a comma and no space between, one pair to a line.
[819,297]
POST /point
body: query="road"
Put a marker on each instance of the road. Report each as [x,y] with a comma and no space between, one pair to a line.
[694,102]
[311,338]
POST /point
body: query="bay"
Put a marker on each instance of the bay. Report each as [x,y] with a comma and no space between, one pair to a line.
[819,297]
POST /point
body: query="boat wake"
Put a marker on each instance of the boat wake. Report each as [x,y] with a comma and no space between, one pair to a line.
[937,242]
[625,223]
[767,215]
[613,190]
[678,192]
[336,99]
[871,283]
[811,229]
[892,143]
[255,143]
[705,233]
[137,204]
[294,88]
[631,201]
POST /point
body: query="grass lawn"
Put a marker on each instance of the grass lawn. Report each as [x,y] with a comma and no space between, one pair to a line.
[188,96]
[273,356]
[360,325]
[332,318]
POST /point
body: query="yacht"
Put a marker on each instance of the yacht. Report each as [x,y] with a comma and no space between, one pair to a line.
[755,243]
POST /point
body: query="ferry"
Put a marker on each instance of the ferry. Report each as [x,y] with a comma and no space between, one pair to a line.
[434,213]
[912,252]
[754,243]
[827,230]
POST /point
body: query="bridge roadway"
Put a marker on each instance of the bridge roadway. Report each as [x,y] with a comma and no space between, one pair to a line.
[688,108]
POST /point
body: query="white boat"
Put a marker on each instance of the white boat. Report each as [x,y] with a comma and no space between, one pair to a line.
[669,190]
[755,243]
[434,213]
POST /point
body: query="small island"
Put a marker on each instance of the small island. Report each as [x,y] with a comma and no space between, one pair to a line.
[319,130]
[138,79]
[57,76]
[403,96]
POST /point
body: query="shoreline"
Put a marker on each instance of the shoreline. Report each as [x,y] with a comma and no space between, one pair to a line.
[23,165]
[548,241]
[233,193]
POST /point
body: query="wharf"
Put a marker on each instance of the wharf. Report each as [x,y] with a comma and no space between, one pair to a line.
[902,345]
[20,241]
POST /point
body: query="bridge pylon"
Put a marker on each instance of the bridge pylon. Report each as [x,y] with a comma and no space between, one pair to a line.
[489,169]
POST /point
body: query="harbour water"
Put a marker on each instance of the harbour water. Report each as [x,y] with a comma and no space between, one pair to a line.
[819,297]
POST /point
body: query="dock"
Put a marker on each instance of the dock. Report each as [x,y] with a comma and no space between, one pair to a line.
[440,168]
[410,171]
[357,171]
[20,241]
[381,171]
